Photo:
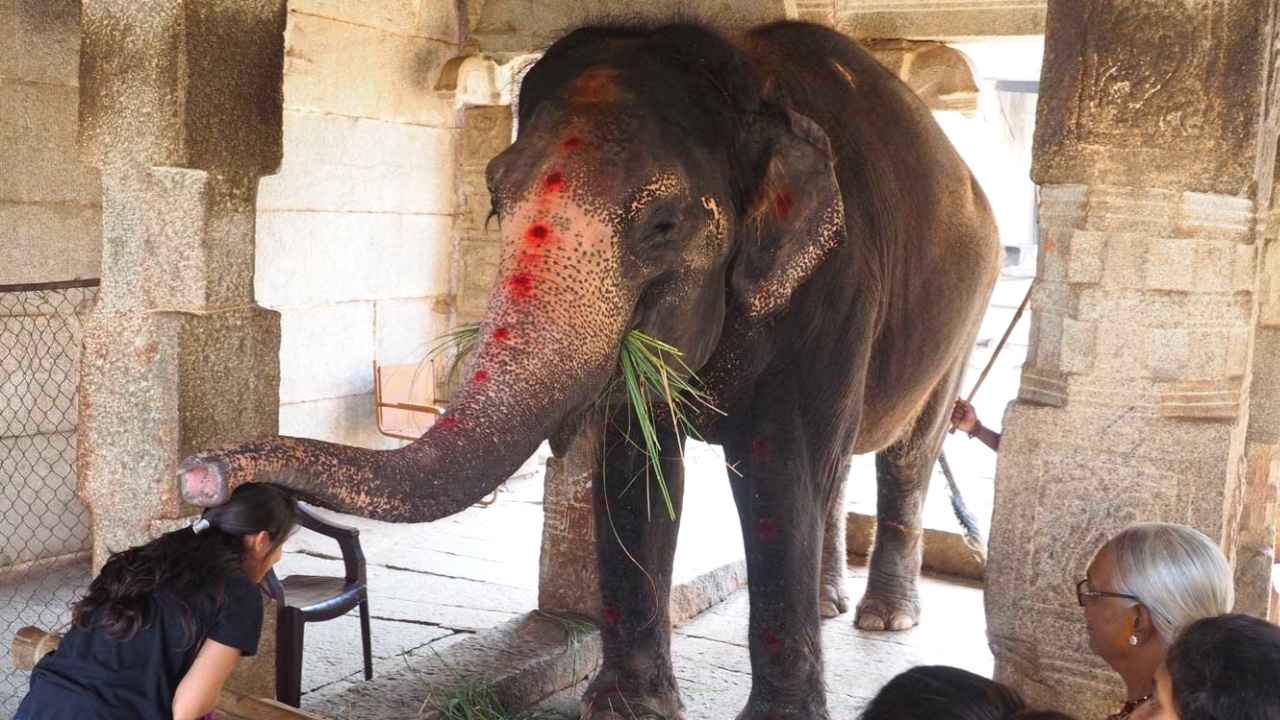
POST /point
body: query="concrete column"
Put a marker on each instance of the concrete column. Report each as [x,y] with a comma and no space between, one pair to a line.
[1136,395]
[180,110]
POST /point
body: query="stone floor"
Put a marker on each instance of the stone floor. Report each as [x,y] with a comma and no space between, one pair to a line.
[714,668]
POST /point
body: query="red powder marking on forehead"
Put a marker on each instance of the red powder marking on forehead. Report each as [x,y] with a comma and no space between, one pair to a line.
[480,377]
[783,203]
[447,423]
[571,143]
[766,530]
[520,285]
[501,334]
[760,449]
[554,181]
[538,234]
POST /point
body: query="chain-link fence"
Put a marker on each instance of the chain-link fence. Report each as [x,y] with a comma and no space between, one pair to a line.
[44,530]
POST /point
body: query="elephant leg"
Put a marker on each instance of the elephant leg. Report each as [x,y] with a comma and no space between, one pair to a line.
[832,598]
[636,543]
[782,514]
[892,600]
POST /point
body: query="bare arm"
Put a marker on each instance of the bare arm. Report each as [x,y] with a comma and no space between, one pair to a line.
[197,694]
[965,419]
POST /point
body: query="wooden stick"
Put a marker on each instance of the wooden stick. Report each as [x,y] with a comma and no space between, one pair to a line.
[1000,345]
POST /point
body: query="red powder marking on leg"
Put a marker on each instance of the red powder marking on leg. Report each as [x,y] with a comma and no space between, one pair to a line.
[447,423]
[772,642]
[783,202]
[571,143]
[612,615]
[520,285]
[554,182]
[500,334]
[760,449]
[480,376]
[602,503]
[766,530]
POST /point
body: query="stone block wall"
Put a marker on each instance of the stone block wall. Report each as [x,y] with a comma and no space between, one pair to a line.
[50,217]
[356,234]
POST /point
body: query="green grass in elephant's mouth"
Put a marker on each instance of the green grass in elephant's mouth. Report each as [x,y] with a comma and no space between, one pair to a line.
[646,379]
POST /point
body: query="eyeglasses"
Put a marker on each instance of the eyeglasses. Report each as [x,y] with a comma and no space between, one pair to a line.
[1083,592]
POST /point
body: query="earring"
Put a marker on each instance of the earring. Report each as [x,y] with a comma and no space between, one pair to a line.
[1133,639]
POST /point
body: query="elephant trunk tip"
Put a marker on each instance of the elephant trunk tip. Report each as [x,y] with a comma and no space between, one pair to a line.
[202,482]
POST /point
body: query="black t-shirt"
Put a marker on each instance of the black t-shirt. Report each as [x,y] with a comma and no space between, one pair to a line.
[93,677]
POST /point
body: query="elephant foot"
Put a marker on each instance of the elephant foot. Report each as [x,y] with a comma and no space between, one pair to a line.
[605,699]
[813,707]
[885,612]
[832,599]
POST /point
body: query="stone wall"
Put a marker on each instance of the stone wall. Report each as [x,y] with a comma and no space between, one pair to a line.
[356,234]
[50,216]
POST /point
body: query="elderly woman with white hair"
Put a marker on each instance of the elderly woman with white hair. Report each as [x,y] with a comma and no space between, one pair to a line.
[1144,586]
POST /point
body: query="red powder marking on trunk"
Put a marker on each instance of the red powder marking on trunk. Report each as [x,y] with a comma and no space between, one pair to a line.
[571,143]
[766,530]
[554,181]
[602,503]
[772,642]
[501,334]
[480,376]
[538,234]
[783,202]
[760,449]
[446,423]
[612,615]
[520,285]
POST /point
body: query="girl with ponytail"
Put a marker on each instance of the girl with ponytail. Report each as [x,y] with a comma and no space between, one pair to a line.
[163,625]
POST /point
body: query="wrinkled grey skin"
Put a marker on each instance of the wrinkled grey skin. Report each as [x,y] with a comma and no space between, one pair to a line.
[785,212]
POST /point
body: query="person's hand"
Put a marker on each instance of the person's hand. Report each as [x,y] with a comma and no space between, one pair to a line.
[964,417]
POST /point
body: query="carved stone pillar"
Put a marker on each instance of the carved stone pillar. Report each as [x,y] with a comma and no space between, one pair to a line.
[1135,398]
[180,109]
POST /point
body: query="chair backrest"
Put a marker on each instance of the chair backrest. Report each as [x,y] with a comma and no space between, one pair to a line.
[348,541]
[405,399]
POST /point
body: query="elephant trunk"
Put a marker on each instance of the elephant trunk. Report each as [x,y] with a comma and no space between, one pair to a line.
[549,342]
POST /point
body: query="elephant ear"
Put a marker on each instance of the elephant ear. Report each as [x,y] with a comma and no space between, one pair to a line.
[795,221]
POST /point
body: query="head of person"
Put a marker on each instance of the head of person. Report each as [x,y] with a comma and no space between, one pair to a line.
[1220,668]
[937,692]
[243,536]
[1144,586]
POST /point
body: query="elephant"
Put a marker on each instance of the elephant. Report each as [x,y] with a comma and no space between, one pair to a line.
[784,211]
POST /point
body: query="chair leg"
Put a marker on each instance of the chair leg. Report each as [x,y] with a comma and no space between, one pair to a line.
[364,636]
[289,658]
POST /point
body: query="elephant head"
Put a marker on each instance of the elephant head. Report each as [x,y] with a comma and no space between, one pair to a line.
[646,190]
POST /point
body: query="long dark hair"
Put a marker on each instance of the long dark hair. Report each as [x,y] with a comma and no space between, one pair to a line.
[120,600]
[938,692]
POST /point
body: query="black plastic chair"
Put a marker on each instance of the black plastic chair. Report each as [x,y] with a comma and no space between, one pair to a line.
[301,599]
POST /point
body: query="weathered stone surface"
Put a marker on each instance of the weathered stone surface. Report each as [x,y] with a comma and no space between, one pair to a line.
[526,660]
[943,77]
[327,646]
[1177,109]
[40,41]
[359,71]
[311,258]
[40,515]
[405,329]
[46,242]
[348,420]
[326,351]
[336,163]
[927,20]
[37,146]
[523,26]
[568,578]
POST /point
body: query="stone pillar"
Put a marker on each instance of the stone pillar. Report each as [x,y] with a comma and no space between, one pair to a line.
[1135,398]
[486,132]
[180,109]
[568,576]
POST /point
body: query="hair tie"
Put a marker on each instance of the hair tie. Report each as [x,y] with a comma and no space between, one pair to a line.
[200,525]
